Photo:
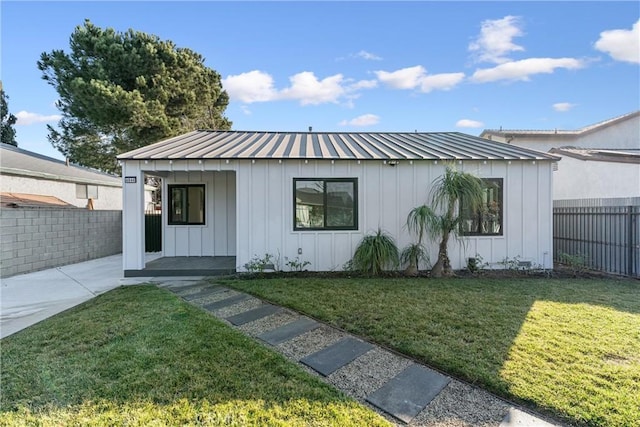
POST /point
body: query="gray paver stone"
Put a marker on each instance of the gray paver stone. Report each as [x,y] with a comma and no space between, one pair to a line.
[226,302]
[289,331]
[337,355]
[204,293]
[255,314]
[409,392]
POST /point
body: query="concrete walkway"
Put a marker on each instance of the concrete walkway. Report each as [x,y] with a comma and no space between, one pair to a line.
[398,388]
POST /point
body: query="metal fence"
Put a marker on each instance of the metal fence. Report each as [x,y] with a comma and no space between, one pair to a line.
[153,231]
[604,234]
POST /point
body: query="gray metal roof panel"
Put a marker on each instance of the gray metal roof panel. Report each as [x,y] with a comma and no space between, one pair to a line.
[204,144]
[16,161]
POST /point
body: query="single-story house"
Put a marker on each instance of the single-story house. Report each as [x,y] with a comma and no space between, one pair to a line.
[598,161]
[32,175]
[312,196]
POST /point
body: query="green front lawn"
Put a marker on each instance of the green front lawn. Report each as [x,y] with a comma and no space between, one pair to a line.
[570,348]
[141,356]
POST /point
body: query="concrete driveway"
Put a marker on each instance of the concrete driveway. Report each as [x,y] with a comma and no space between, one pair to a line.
[27,299]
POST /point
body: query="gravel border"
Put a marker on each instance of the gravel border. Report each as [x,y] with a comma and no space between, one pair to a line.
[310,342]
[268,323]
[461,405]
[368,372]
[215,297]
[238,308]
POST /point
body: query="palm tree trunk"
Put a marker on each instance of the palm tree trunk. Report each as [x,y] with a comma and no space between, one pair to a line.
[412,268]
[442,267]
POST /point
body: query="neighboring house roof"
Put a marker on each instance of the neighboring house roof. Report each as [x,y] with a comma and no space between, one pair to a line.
[20,200]
[16,161]
[608,155]
[209,144]
[565,134]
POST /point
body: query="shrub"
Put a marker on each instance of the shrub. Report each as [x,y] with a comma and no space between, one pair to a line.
[375,253]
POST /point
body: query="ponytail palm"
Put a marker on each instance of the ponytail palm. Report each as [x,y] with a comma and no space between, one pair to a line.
[446,193]
[419,221]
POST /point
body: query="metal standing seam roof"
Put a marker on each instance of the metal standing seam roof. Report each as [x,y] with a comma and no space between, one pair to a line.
[237,145]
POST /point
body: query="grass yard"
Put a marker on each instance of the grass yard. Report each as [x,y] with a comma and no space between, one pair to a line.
[141,356]
[570,348]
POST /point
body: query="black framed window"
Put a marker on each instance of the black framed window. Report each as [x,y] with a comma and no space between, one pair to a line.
[325,203]
[186,204]
[487,221]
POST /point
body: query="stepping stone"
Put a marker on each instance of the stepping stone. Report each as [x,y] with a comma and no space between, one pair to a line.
[204,293]
[337,355]
[255,314]
[289,331]
[226,302]
[182,289]
[409,392]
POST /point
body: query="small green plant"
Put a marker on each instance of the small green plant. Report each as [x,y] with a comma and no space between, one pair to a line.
[259,265]
[296,264]
[512,263]
[375,253]
[477,264]
[472,265]
[577,263]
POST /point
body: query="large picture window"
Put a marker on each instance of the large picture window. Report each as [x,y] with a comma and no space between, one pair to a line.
[186,204]
[325,204]
[487,220]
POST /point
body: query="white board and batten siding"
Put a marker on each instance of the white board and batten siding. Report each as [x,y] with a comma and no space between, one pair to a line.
[217,237]
[386,194]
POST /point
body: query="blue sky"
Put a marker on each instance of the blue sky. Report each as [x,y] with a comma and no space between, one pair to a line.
[362,66]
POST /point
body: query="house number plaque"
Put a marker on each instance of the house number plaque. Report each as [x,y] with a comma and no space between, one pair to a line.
[130,179]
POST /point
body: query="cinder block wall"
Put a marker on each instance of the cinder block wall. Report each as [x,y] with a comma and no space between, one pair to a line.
[39,238]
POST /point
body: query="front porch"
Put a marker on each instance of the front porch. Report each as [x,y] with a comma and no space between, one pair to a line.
[186,266]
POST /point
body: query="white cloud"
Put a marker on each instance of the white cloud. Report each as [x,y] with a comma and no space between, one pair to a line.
[466,123]
[495,39]
[245,110]
[521,70]
[367,55]
[253,86]
[622,45]
[26,118]
[443,81]
[363,120]
[417,77]
[405,78]
[563,106]
[363,84]
[306,88]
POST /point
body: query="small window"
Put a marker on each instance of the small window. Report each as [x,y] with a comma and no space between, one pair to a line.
[488,220]
[186,204]
[84,191]
[325,204]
